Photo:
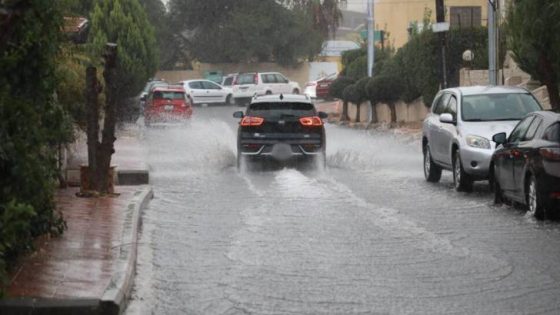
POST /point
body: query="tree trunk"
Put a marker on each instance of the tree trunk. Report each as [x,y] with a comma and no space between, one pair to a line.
[92,112]
[358,118]
[106,148]
[344,115]
[373,113]
[393,112]
[550,80]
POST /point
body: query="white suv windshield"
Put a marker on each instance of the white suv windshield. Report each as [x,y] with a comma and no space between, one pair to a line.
[247,78]
[492,107]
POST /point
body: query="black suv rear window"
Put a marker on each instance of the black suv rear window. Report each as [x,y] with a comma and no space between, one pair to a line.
[279,109]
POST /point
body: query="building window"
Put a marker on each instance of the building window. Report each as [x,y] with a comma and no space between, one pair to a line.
[465,17]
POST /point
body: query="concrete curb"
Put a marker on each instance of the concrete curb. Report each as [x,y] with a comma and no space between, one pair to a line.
[133,177]
[27,306]
[118,291]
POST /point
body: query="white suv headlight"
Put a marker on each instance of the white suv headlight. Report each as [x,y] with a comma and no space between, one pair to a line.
[478,142]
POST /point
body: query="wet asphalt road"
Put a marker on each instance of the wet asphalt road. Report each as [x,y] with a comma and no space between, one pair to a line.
[366,236]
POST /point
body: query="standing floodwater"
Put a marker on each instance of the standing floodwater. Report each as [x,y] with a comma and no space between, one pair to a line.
[367,235]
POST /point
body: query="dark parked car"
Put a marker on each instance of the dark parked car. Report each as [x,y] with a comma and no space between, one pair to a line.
[320,87]
[526,166]
[281,128]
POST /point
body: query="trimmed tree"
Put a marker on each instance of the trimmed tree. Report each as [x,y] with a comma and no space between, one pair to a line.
[125,23]
[129,61]
[360,95]
[336,90]
[385,89]
[534,37]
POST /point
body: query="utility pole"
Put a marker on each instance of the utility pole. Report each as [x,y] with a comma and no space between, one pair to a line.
[492,43]
[440,18]
[370,41]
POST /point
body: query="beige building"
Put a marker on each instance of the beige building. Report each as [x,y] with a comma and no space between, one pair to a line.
[396,16]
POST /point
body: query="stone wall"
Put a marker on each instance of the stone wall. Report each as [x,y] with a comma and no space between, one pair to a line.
[511,76]
[406,112]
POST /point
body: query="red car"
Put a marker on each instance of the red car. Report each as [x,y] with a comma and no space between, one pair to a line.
[167,103]
[320,88]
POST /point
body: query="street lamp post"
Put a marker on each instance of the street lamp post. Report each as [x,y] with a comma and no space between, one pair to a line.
[492,45]
[370,39]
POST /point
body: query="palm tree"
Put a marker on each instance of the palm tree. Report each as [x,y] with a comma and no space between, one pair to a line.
[326,14]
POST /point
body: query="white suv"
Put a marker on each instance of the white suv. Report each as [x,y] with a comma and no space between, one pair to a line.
[248,85]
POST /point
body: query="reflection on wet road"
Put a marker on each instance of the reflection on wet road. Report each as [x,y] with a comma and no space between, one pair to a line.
[367,235]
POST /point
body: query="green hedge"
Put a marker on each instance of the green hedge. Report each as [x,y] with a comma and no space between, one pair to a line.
[33,124]
[356,93]
[384,89]
[414,70]
[336,89]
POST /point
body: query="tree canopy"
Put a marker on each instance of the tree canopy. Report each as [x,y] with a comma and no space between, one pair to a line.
[253,30]
[534,38]
[125,23]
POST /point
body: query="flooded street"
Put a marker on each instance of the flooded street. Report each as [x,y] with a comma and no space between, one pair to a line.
[368,235]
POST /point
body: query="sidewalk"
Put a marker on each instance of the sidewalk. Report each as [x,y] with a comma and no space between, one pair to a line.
[90,268]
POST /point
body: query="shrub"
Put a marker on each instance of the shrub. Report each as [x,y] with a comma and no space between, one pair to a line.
[357,69]
[337,87]
[384,89]
[355,61]
[356,93]
[33,123]
[350,56]
[351,94]
[418,62]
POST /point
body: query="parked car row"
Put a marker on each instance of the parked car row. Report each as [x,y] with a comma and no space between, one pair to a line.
[245,86]
[206,92]
[466,132]
[236,88]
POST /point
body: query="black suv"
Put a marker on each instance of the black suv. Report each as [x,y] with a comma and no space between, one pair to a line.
[281,128]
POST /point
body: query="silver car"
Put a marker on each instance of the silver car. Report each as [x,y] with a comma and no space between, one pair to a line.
[458,130]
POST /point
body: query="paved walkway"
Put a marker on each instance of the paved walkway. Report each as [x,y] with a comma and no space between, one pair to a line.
[80,263]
